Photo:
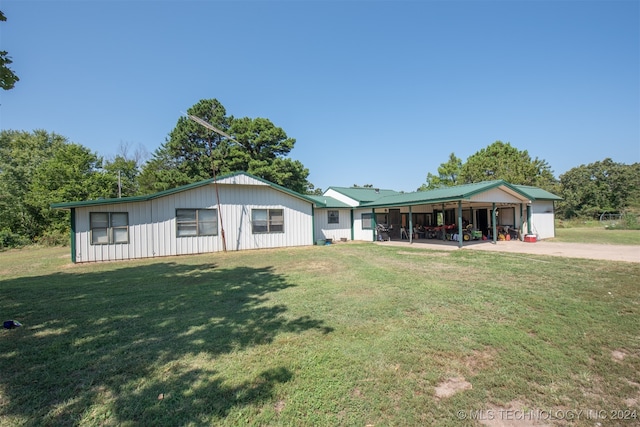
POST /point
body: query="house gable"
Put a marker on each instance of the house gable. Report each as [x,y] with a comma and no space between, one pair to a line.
[356,196]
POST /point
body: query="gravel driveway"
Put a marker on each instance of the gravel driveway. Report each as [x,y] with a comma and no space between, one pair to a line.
[626,253]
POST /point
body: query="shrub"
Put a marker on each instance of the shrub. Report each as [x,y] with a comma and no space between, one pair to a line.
[54,238]
[9,239]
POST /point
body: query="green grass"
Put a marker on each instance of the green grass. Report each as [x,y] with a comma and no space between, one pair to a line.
[348,334]
[599,235]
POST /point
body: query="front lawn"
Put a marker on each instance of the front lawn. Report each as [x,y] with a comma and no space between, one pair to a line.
[347,334]
[599,235]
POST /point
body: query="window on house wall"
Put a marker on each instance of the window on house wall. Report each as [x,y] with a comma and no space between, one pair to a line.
[333,217]
[109,227]
[196,222]
[367,221]
[267,221]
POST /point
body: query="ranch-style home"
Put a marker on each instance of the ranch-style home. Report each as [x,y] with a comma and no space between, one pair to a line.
[240,211]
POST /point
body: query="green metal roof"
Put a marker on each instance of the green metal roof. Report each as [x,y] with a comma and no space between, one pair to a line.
[329,202]
[363,194]
[536,193]
[134,199]
[447,194]
[369,197]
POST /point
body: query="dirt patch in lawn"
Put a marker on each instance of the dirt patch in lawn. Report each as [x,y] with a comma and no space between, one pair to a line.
[480,360]
[451,386]
[618,355]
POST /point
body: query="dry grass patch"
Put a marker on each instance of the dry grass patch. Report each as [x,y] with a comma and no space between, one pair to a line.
[618,355]
[451,386]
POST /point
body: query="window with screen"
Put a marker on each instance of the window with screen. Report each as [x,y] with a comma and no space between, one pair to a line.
[196,222]
[333,217]
[109,227]
[267,221]
[367,221]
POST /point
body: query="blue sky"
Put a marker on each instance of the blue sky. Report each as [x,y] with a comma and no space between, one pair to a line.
[374,92]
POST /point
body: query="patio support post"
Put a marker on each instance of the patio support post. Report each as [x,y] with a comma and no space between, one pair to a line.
[352,223]
[521,223]
[460,223]
[410,226]
[529,219]
[313,225]
[375,224]
[493,223]
[444,234]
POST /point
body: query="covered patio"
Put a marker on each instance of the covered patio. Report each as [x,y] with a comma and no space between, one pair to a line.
[464,214]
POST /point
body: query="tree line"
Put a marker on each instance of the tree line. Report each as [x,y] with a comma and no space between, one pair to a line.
[39,168]
[587,190]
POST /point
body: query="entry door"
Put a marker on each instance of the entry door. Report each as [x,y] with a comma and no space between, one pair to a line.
[395,221]
[482,222]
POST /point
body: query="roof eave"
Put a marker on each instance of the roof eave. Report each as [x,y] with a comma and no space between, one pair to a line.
[135,199]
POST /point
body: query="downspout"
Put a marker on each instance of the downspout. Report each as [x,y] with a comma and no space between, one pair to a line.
[529,231]
[460,223]
[493,223]
[73,235]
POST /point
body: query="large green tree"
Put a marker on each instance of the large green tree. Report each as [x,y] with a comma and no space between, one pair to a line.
[500,160]
[497,161]
[8,78]
[603,186]
[448,175]
[191,152]
[40,168]
[194,152]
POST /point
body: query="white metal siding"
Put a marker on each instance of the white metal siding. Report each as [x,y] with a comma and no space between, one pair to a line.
[358,232]
[241,200]
[542,219]
[242,180]
[152,224]
[495,195]
[138,234]
[324,230]
[165,241]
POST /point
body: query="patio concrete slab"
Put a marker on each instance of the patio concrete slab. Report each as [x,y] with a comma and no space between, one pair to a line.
[626,253]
